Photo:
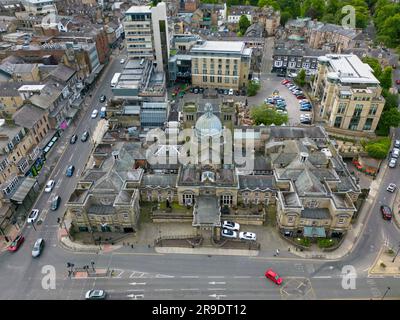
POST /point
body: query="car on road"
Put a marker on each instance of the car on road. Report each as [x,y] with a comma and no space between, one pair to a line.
[273,276]
[229,233]
[16,243]
[70,171]
[247,236]
[73,139]
[55,203]
[95,295]
[38,248]
[231,225]
[94,113]
[49,186]
[392,163]
[122,61]
[103,98]
[386,212]
[85,136]
[33,215]
[231,92]
[397,143]
[391,187]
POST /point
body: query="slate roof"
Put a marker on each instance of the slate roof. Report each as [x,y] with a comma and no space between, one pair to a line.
[62,73]
[159,180]
[256,182]
[315,213]
[101,209]
[307,182]
[27,116]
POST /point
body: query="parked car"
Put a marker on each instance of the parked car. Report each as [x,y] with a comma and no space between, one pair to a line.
[301,96]
[201,90]
[305,108]
[231,92]
[94,113]
[122,61]
[49,186]
[55,203]
[228,233]
[226,91]
[231,225]
[103,98]
[397,144]
[398,81]
[221,91]
[395,153]
[273,276]
[386,212]
[285,81]
[95,295]
[196,90]
[243,92]
[16,243]
[237,93]
[32,217]
[73,139]
[247,236]
[70,171]
[38,248]
[85,136]
[392,163]
[391,187]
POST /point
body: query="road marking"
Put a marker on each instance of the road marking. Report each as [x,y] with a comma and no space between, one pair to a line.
[190,277]
[217,296]
[163,289]
[216,277]
[134,290]
[135,296]
[242,277]
[164,276]
[216,289]
[213,282]
[322,277]
[138,283]
[191,289]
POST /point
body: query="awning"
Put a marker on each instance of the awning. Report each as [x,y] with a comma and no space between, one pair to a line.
[314,232]
[23,190]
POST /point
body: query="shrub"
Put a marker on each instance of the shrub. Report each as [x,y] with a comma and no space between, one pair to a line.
[326,243]
[383,265]
[253,88]
[303,241]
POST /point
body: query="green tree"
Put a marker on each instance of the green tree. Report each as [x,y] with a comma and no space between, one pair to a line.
[244,23]
[391,101]
[379,148]
[253,88]
[389,118]
[272,3]
[386,78]
[285,16]
[301,78]
[313,8]
[266,115]
[374,64]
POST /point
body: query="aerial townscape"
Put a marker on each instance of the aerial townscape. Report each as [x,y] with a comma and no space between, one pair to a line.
[199,150]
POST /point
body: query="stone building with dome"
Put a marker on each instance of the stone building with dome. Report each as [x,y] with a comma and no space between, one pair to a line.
[295,169]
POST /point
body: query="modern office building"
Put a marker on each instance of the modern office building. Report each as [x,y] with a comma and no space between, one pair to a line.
[221,64]
[349,94]
[146,34]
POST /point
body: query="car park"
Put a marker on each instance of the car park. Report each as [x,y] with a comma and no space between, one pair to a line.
[231,225]
[386,212]
[17,242]
[229,233]
[94,113]
[38,248]
[49,186]
[73,139]
[33,215]
[392,163]
[55,203]
[70,171]
[391,187]
[273,276]
[247,236]
[95,295]
[85,136]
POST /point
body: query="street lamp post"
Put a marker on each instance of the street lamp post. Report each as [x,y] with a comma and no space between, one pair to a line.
[396,254]
[384,295]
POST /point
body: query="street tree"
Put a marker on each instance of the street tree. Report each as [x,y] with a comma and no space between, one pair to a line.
[267,115]
[300,80]
[252,88]
[386,78]
[389,118]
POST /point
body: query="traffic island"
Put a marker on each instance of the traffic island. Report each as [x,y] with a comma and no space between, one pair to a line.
[386,263]
[84,273]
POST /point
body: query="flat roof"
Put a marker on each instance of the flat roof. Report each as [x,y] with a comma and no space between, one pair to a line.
[220,46]
[32,87]
[139,9]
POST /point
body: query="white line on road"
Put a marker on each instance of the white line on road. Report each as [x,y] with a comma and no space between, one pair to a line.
[163,289]
[213,282]
[70,158]
[134,290]
[216,289]
[190,277]
[137,283]
[242,277]
[191,289]
[216,277]
[322,277]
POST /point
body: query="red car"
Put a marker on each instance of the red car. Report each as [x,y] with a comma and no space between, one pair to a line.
[16,243]
[273,276]
[386,212]
[301,97]
[285,81]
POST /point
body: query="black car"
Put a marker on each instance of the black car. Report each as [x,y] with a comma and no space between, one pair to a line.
[73,139]
[226,91]
[191,90]
[243,92]
[85,136]
[201,90]
[221,91]
[103,98]
[55,203]
[237,93]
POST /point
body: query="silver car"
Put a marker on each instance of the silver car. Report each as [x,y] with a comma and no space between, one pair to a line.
[229,233]
[247,236]
[38,248]
[95,295]
[392,163]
